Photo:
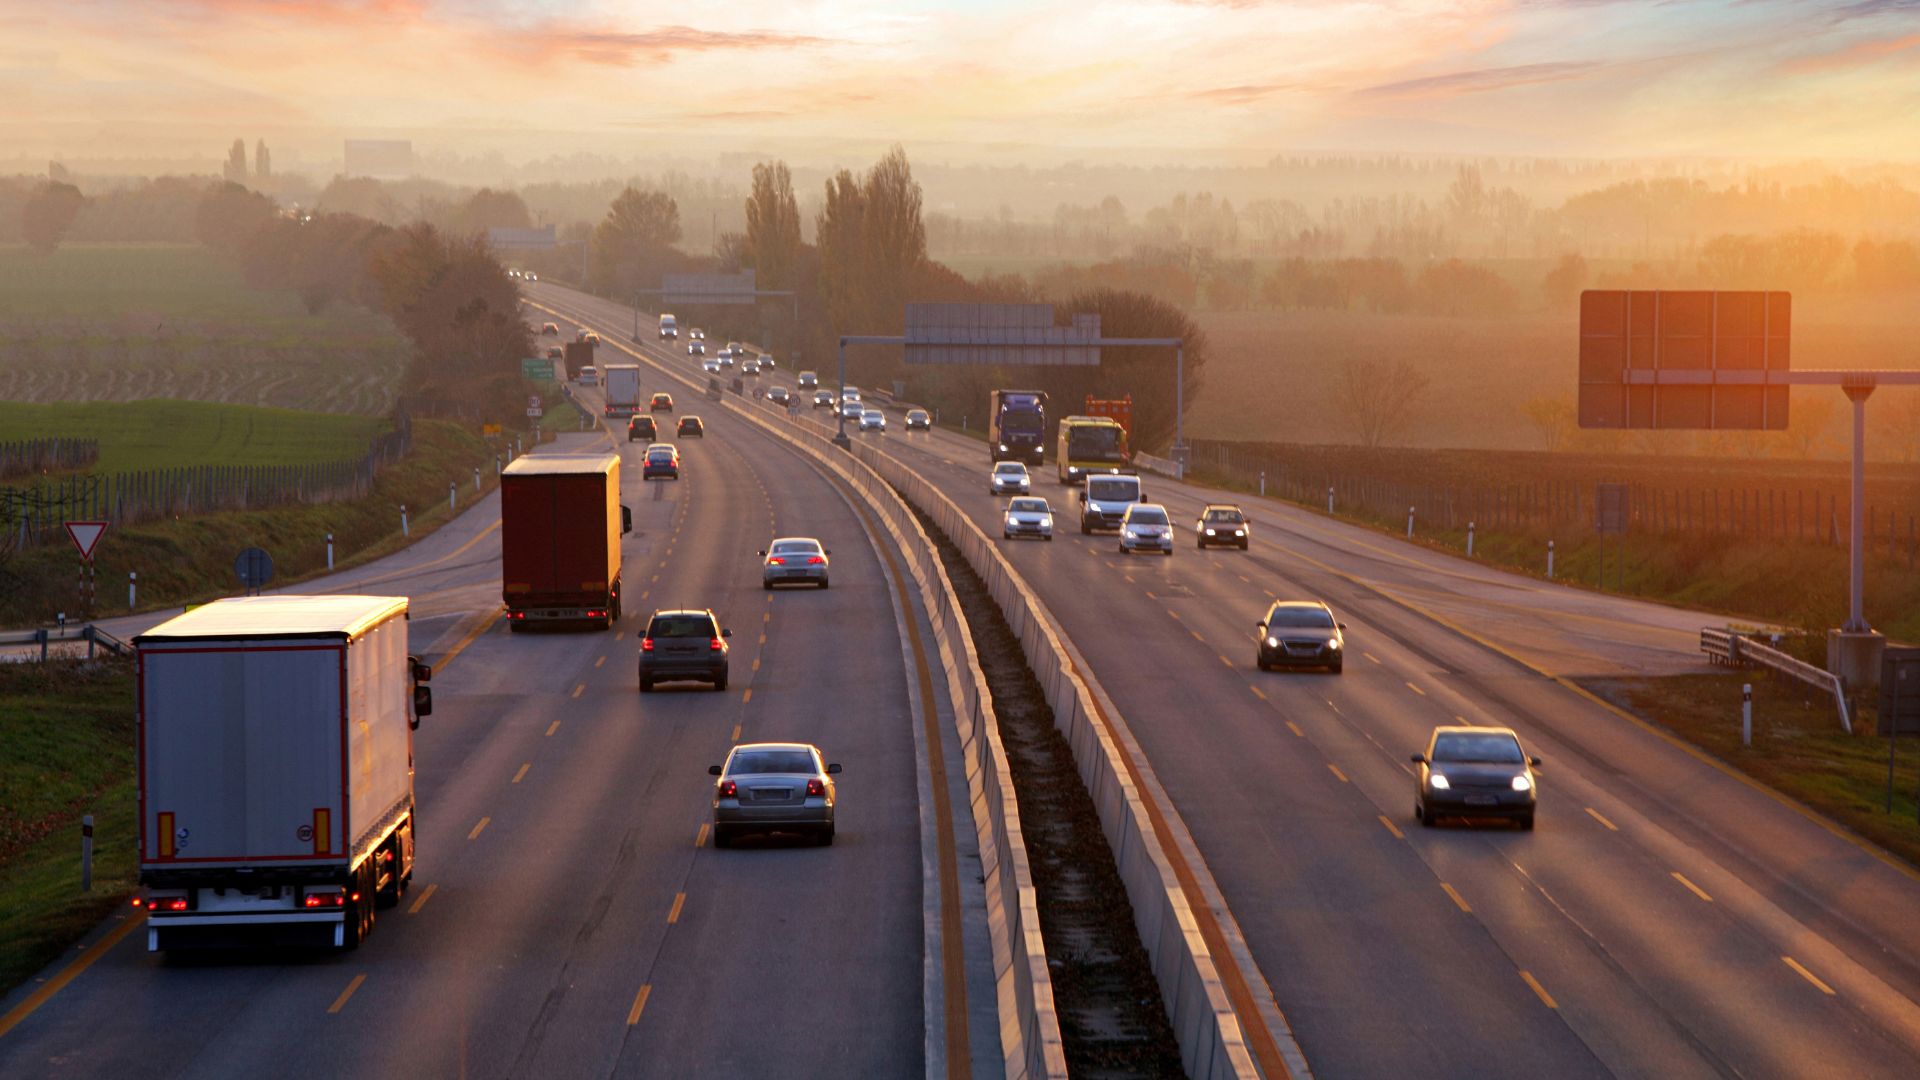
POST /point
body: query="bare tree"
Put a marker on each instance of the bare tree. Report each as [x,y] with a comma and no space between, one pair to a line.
[1554,418]
[1379,398]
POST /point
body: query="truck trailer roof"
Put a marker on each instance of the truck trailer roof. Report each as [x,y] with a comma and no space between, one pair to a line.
[345,617]
[559,464]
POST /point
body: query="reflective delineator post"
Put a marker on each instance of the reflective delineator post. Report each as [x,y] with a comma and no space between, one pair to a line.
[329,551]
[1263,483]
[130,583]
[1746,714]
[86,853]
[453,501]
[404,531]
[1409,522]
[1469,539]
[1329,498]
[476,481]
[1549,560]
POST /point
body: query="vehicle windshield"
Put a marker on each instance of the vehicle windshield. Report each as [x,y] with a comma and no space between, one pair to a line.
[681,626]
[1010,468]
[659,455]
[1148,515]
[1029,506]
[1227,517]
[762,762]
[1112,489]
[1498,748]
[796,547]
[1300,618]
[916,414]
[1097,444]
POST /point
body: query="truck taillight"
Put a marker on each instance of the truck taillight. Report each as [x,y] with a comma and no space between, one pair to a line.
[714,644]
[325,900]
[729,790]
[646,644]
[171,903]
[592,614]
[816,787]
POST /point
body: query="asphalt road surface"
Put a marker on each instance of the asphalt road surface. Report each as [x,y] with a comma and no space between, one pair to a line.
[570,916]
[1666,918]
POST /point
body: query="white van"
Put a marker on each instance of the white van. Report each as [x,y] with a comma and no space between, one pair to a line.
[1105,499]
[669,327]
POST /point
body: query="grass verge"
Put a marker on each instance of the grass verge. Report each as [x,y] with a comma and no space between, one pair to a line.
[137,435]
[66,749]
[1798,748]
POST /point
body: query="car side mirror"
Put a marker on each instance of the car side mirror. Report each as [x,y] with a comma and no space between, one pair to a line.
[713,770]
[1534,761]
[1419,759]
[1342,626]
[1260,626]
[826,551]
[763,554]
[421,672]
[422,704]
[1143,496]
[626,520]
[833,768]
[727,632]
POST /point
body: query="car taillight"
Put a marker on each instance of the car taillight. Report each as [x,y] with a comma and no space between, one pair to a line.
[816,787]
[646,644]
[777,561]
[815,560]
[729,790]
[714,644]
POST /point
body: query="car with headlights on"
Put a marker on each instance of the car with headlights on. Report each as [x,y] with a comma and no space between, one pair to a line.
[852,410]
[823,399]
[873,420]
[1475,772]
[696,347]
[710,366]
[684,645]
[918,420]
[690,427]
[751,367]
[662,460]
[1222,525]
[1009,478]
[807,380]
[774,788]
[779,396]
[642,427]
[1146,527]
[1028,516]
[795,560]
[1301,633]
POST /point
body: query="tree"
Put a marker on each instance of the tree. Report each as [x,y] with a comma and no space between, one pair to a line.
[730,254]
[1810,425]
[262,161]
[48,213]
[235,170]
[1462,289]
[633,245]
[229,214]
[489,209]
[1379,399]
[1563,283]
[1555,418]
[772,243]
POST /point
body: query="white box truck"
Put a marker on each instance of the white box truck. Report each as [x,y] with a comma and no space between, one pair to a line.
[276,769]
[622,383]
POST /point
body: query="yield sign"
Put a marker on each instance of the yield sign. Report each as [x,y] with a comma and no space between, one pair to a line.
[86,534]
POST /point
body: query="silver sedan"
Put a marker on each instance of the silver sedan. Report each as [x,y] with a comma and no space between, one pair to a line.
[774,787]
[1146,527]
[1028,517]
[795,560]
[1010,478]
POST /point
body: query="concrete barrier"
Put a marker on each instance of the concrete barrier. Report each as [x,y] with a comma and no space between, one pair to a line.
[1163,466]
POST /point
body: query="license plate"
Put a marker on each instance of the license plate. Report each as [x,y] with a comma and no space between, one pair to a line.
[772,794]
[1482,800]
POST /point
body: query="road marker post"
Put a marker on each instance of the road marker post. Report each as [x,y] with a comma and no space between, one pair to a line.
[1409,522]
[1329,498]
[1263,483]
[1549,560]
[404,530]
[453,497]
[1469,539]
[131,575]
[329,551]
[86,853]
[476,480]
[1746,714]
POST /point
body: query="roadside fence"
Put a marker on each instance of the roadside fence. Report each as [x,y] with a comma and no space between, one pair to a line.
[30,456]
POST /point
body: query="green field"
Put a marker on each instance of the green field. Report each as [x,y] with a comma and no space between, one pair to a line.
[138,435]
[112,322]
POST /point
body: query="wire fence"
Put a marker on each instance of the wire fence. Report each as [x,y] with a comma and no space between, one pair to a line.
[1527,502]
[36,513]
[30,456]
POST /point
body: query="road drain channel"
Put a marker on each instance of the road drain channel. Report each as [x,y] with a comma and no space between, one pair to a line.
[1112,1019]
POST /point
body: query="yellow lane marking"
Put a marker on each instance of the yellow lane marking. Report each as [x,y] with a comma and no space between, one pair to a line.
[454,554]
[1244,578]
[746,695]
[1392,828]
[656,577]
[1259,693]
[1416,690]
[1369,656]
[1545,998]
[639,1004]
[679,901]
[644,593]
[476,829]
[763,637]
[1150,595]
[1196,636]
[1691,887]
[1224,660]
[1173,614]
[521,775]
[1338,773]
[736,733]
[1808,975]
[1456,898]
[1129,578]
[1295,728]
[341,1001]
[767,617]
[618,634]
[600,661]
[553,727]
[1597,816]
[69,973]
[701,839]
[756,663]
[422,900]
[578,690]
[472,635]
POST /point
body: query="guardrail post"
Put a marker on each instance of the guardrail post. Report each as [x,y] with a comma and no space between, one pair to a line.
[1746,714]
[86,853]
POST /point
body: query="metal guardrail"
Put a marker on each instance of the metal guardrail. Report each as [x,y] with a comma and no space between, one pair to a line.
[44,637]
[1163,466]
[1740,650]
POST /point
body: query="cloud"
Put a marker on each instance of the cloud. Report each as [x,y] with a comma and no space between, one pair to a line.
[1867,9]
[1852,56]
[617,48]
[1241,95]
[1482,80]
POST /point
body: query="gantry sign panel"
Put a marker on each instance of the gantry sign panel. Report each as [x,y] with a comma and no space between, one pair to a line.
[999,334]
[1684,359]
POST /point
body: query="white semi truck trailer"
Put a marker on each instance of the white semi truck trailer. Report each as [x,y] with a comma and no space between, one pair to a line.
[276,769]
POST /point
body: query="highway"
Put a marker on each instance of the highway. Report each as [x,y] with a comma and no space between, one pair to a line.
[570,916]
[1667,918]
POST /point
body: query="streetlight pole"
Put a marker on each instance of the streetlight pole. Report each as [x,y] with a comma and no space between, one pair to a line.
[840,407]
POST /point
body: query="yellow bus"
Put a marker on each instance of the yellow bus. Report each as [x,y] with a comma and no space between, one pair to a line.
[1092,444]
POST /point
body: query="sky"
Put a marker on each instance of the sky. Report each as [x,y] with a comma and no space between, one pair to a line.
[1152,80]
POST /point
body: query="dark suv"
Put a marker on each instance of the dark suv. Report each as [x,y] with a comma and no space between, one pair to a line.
[642,427]
[684,645]
[1301,633]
